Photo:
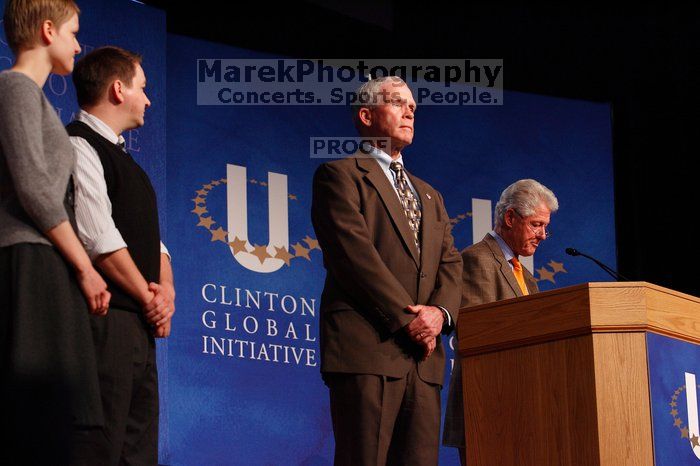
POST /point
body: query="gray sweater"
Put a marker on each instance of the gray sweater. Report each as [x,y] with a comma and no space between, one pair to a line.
[36,161]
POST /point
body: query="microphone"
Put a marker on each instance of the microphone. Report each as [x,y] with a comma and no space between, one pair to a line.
[617,276]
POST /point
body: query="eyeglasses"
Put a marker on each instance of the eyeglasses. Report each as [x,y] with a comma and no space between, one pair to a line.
[536,229]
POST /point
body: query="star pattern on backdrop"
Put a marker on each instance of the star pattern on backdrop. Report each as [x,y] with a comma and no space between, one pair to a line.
[205,222]
[556,266]
[684,431]
[301,251]
[218,235]
[284,255]
[694,441]
[260,252]
[238,245]
[545,274]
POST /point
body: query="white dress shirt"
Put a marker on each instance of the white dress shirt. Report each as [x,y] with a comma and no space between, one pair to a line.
[93,208]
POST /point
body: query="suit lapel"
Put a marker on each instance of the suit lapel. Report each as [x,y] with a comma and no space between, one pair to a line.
[378,179]
[506,270]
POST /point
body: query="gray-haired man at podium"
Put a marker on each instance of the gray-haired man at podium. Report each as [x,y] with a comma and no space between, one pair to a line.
[492,272]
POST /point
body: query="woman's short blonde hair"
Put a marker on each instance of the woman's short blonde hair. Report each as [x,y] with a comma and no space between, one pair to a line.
[23,19]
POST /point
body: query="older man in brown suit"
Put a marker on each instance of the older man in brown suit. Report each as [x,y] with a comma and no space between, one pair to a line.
[392,288]
[492,272]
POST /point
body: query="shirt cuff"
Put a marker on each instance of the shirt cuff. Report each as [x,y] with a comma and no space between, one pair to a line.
[164,250]
[109,241]
[447,316]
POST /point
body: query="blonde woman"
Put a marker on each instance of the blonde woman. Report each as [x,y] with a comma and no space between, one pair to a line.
[48,374]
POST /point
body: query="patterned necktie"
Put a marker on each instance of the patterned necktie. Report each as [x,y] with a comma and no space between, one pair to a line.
[408,201]
[518,272]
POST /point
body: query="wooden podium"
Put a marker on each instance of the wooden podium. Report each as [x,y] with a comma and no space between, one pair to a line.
[561,377]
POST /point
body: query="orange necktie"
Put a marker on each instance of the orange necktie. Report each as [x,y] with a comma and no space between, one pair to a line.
[518,272]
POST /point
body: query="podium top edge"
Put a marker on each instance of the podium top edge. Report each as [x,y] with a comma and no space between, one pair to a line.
[588,286]
[651,286]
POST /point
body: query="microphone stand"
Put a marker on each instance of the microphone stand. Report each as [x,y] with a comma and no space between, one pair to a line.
[617,276]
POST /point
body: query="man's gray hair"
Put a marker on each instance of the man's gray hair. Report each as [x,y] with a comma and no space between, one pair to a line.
[524,196]
[367,95]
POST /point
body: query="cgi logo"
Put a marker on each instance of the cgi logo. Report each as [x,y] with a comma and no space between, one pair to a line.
[264,258]
[692,431]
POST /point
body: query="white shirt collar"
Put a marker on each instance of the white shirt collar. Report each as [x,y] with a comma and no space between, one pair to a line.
[100,127]
[382,158]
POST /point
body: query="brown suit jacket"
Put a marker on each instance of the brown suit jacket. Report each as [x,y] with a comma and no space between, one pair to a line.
[487,278]
[375,271]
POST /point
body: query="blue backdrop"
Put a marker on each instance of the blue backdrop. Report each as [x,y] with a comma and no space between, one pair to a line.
[227,394]
[239,376]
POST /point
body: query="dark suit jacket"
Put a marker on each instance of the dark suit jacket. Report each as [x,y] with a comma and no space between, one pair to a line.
[487,278]
[375,271]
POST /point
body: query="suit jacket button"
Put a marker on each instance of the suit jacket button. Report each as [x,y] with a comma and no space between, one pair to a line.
[422,275]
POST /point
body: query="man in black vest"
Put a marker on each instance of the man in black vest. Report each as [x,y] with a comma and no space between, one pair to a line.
[117,220]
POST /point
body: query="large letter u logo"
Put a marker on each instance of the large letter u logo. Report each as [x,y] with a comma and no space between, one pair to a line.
[278,219]
[691,396]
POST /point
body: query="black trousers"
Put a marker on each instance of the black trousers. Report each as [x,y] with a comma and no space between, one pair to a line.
[126,361]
